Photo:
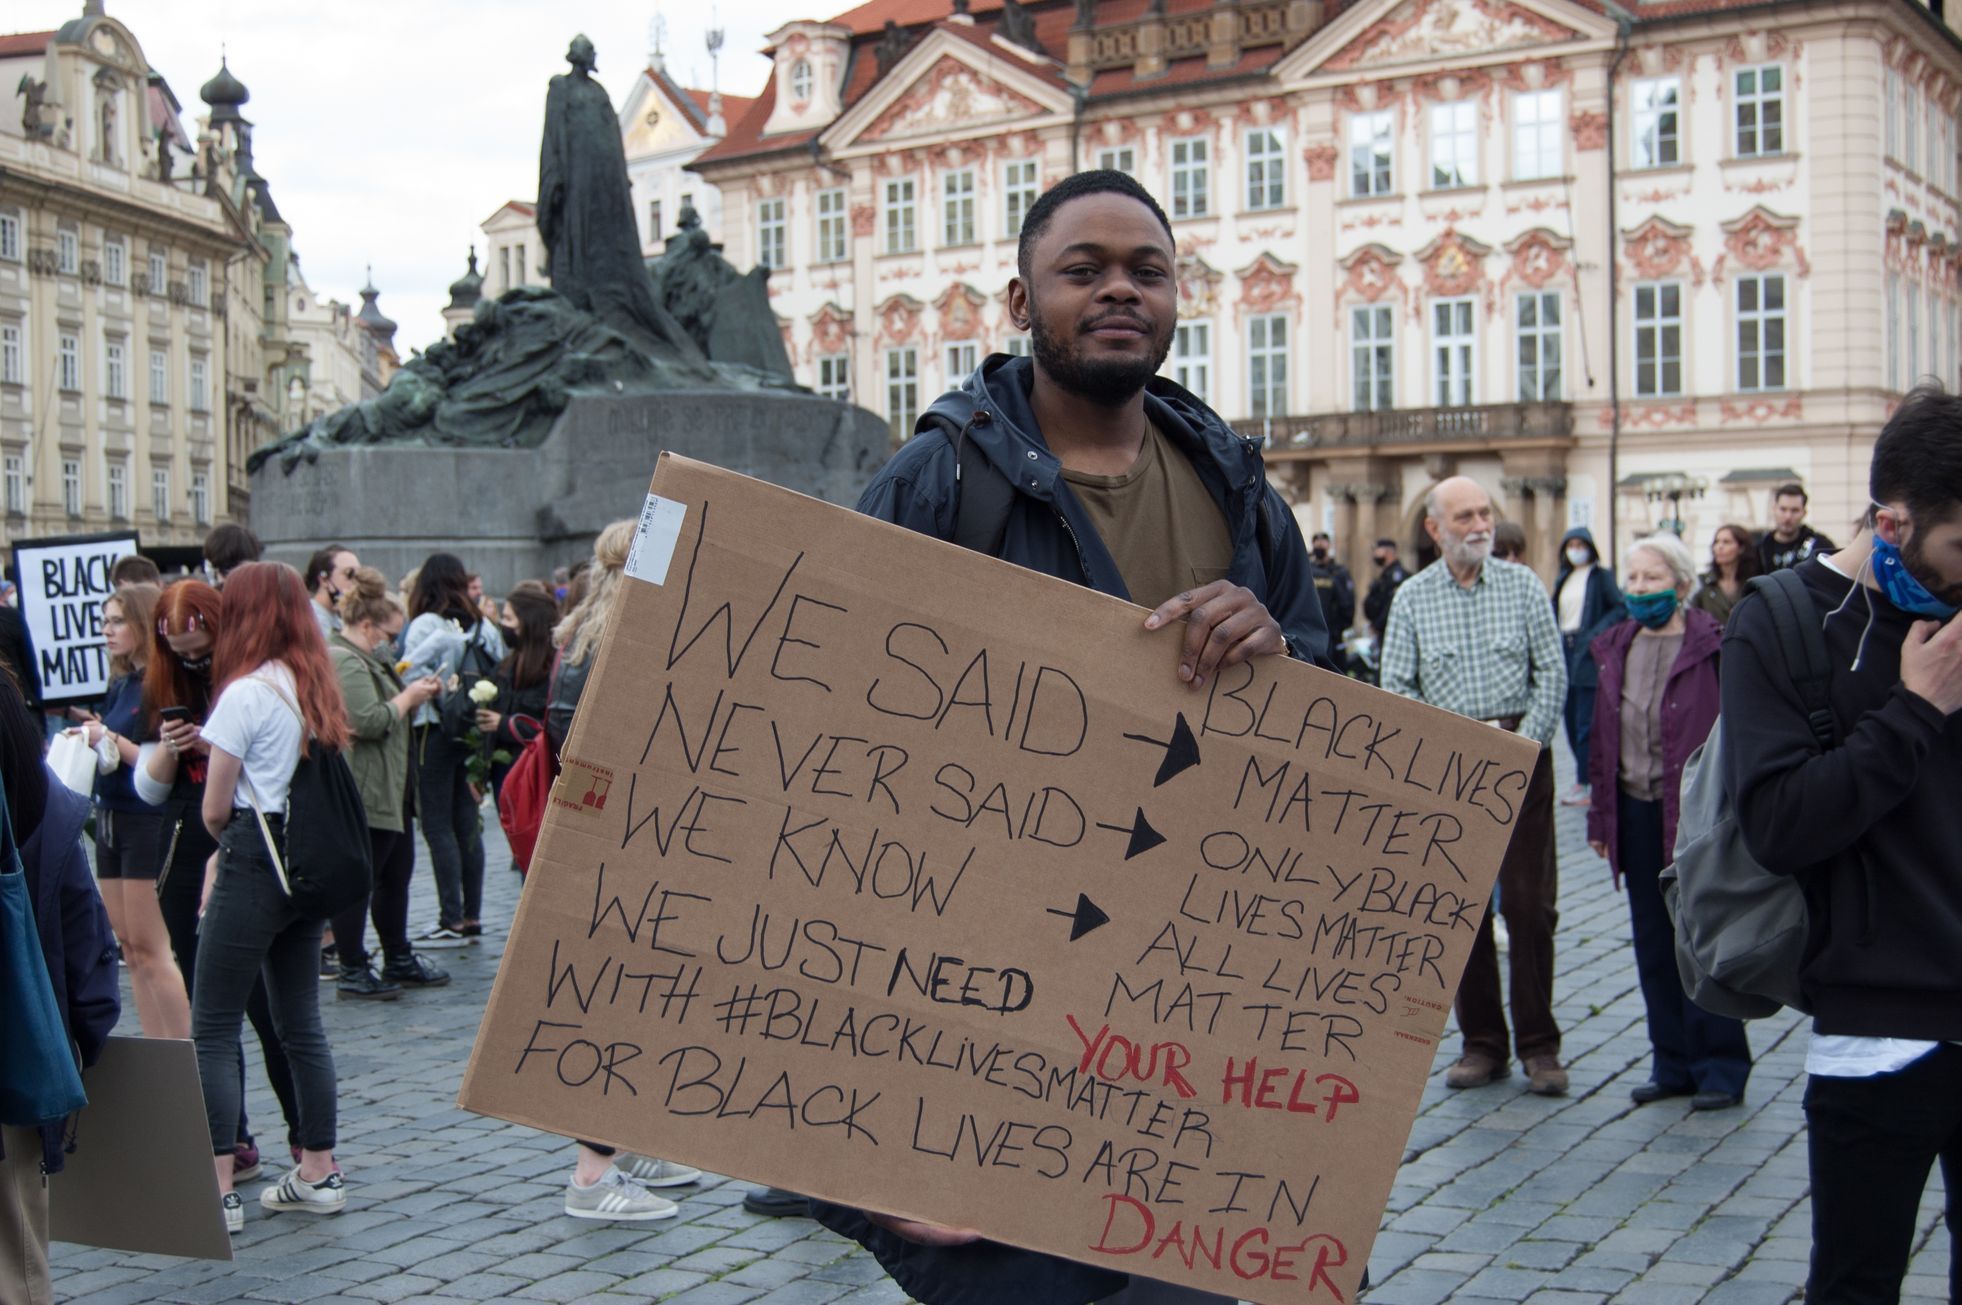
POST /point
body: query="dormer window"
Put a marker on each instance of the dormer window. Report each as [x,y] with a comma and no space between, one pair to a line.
[800,81]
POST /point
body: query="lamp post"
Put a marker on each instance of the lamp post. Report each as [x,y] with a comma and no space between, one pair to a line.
[1673,487]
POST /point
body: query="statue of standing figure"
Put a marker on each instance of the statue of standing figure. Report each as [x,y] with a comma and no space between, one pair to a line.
[726,312]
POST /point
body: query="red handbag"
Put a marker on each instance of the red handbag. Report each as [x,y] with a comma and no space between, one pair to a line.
[522,801]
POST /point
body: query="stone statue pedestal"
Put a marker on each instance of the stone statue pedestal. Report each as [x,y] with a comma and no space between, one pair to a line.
[515,514]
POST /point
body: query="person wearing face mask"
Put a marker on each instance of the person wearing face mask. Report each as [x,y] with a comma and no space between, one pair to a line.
[1587,604]
[330,574]
[1390,574]
[1475,636]
[1871,827]
[1656,705]
[523,678]
[1337,591]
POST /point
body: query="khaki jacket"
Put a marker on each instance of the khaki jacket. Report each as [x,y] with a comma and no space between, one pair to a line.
[380,755]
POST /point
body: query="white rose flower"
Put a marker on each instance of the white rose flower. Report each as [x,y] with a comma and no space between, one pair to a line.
[483,693]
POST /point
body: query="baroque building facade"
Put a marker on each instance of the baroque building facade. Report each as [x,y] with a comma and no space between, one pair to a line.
[1626,265]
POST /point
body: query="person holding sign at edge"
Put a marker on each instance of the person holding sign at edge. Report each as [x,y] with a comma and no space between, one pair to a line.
[1082,463]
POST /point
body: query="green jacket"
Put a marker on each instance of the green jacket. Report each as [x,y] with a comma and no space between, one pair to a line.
[380,755]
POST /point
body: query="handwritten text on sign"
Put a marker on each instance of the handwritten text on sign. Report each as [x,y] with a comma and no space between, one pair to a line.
[62,585]
[901,877]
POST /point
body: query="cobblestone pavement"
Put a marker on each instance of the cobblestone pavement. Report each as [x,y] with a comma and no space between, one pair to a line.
[1503,1195]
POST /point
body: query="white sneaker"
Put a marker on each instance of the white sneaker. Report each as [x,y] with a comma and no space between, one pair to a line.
[234,1205]
[328,1196]
[616,1196]
[649,1172]
[440,935]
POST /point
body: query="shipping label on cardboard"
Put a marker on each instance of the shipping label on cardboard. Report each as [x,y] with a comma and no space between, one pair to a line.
[892,874]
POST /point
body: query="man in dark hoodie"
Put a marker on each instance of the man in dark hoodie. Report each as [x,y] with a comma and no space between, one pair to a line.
[1113,478]
[1871,827]
[1586,605]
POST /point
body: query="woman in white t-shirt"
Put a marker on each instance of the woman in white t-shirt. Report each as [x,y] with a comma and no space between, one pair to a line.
[278,699]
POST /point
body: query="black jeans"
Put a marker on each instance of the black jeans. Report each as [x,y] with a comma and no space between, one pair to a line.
[1529,882]
[251,930]
[1692,1048]
[450,825]
[180,882]
[394,856]
[1872,1142]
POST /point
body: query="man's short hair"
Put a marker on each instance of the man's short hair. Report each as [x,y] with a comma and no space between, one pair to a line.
[231,546]
[1103,181]
[1918,458]
[135,569]
[1386,543]
[1791,489]
[321,565]
[1509,539]
[1320,534]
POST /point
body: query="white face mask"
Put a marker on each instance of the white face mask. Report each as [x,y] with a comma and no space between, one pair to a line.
[1578,557]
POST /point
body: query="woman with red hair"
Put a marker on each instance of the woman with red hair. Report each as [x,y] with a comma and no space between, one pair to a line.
[278,699]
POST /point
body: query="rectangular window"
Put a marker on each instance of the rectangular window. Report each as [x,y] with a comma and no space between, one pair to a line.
[518,263]
[1191,177]
[1760,111]
[963,356]
[11,365]
[200,285]
[159,376]
[835,376]
[1911,124]
[1912,354]
[902,235]
[71,487]
[1371,138]
[902,391]
[1454,145]
[1658,339]
[1016,346]
[1192,358]
[1267,169]
[201,497]
[1657,139]
[1122,159]
[1267,365]
[159,271]
[10,237]
[16,478]
[957,207]
[119,491]
[654,221]
[115,262]
[68,363]
[1372,357]
[1761,332]
[770,234]
[1536,135]
[1539,345]
[504,266]
[1893,111]
[160,493]
[1894,331]
[831,247]
[200,385]
[1934,156]
[1452,347]
[1018,192]
[115,369]
[68,252]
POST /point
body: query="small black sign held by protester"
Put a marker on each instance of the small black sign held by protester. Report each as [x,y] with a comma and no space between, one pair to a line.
[62,584]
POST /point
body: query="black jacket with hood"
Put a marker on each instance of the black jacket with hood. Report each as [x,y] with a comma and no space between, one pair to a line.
[1602,609]
[1049,531]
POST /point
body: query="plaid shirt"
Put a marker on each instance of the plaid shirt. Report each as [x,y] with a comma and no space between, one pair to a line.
[1486,652]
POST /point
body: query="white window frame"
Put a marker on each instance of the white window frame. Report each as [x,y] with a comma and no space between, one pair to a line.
[1540,345]
[1019,187]
[1119,158]
[1266,153]
[958,225]
[1894,331]
[197,280]
[902,215]
[10,232]
[1910,125]
[1656,125]
[68,252]
[1372,153]
[115,369]
[1267,365]
[902,375]
[1538,135]
[961,358]
[1192,177]
[160,493]
[1454,352]
[1913,318]
[13,355]
[71,486]
[1454,145]
[1192,357]
[13,470]
[116,484]
[1372,357]
[201,498]
[198,395]
[833,246]
[159,376]
[834,376]
[772,233]
[159,271]
[1655,333]
[115,261]
[1764,136]
[68,362]
[1017,346]
[800,81]
[1763,332]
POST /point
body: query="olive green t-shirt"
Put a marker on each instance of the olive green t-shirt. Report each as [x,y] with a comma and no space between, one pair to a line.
[1162,526]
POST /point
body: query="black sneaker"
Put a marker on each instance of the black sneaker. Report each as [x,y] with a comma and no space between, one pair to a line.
[413,971]
[330,962]
[362,981]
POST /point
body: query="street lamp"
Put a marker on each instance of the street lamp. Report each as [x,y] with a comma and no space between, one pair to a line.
[1673,487]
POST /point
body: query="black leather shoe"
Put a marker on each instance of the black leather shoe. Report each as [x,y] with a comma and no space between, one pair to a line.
[777,1203]
[413,971]
[1648,1092]
[1715,1101]
[362,981]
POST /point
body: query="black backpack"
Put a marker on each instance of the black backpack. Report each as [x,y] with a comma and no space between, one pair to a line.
[326,866]
[458,708]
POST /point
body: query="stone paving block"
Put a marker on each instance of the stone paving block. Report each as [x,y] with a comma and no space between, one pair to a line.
[396,1287]
[715,1293]
[716,1260]
[1586,1278]
[809,1291]
[567,1286]
[879,1293]
[1503,1283]
[857,1270]
[1736,1292]
[1538,1253]
[1416,1286]
[658,1284]
[1551,1296]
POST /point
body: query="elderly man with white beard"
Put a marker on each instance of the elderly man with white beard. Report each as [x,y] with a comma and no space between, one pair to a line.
[1476,636]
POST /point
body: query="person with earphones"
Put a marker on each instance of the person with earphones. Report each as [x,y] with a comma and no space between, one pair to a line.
[1870,827]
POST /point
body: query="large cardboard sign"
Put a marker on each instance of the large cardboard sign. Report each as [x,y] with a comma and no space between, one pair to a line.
[895,875]
[62,585]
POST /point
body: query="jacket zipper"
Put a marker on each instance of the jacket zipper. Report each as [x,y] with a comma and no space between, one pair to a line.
[170,855]
[1081,560]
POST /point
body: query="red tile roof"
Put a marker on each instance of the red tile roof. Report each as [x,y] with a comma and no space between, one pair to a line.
[732,105]
[18,43]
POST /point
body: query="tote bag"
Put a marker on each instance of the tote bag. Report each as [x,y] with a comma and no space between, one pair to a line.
[39,1080]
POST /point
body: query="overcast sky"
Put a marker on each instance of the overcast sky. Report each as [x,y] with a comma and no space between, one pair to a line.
[390,128]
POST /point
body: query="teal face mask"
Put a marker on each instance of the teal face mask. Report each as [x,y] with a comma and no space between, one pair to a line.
[1652,611]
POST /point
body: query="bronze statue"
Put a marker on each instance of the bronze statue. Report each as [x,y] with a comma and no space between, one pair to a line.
[1018,28]
[891,47]
[724,311]
[35,120]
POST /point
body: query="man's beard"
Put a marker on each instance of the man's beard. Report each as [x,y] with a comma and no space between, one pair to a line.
[1108,382]
[1462,550]
[1916,563]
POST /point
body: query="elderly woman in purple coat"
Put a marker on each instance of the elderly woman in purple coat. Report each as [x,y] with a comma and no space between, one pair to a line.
[1657,702]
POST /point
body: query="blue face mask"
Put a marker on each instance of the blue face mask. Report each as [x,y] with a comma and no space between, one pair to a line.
[1900,586]
[1652,610]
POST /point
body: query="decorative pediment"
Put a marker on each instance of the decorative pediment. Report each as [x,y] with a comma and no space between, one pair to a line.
[1453,264]
[951,94]
[1387,33]
[899,318]
[1761,240]
[1267,284]
[831,329]
[1657,248]
[1538,256]
[1198,286]
[960,312]
[1371,272]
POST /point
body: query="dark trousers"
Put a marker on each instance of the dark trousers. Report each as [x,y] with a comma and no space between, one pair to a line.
[251,931]
[1691,1047]
[450,825]
[180,883]
[394,855]
[1872,1142]
[1578,715]
[1529,882]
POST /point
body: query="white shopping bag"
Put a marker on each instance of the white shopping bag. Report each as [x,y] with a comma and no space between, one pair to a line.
[73,761]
